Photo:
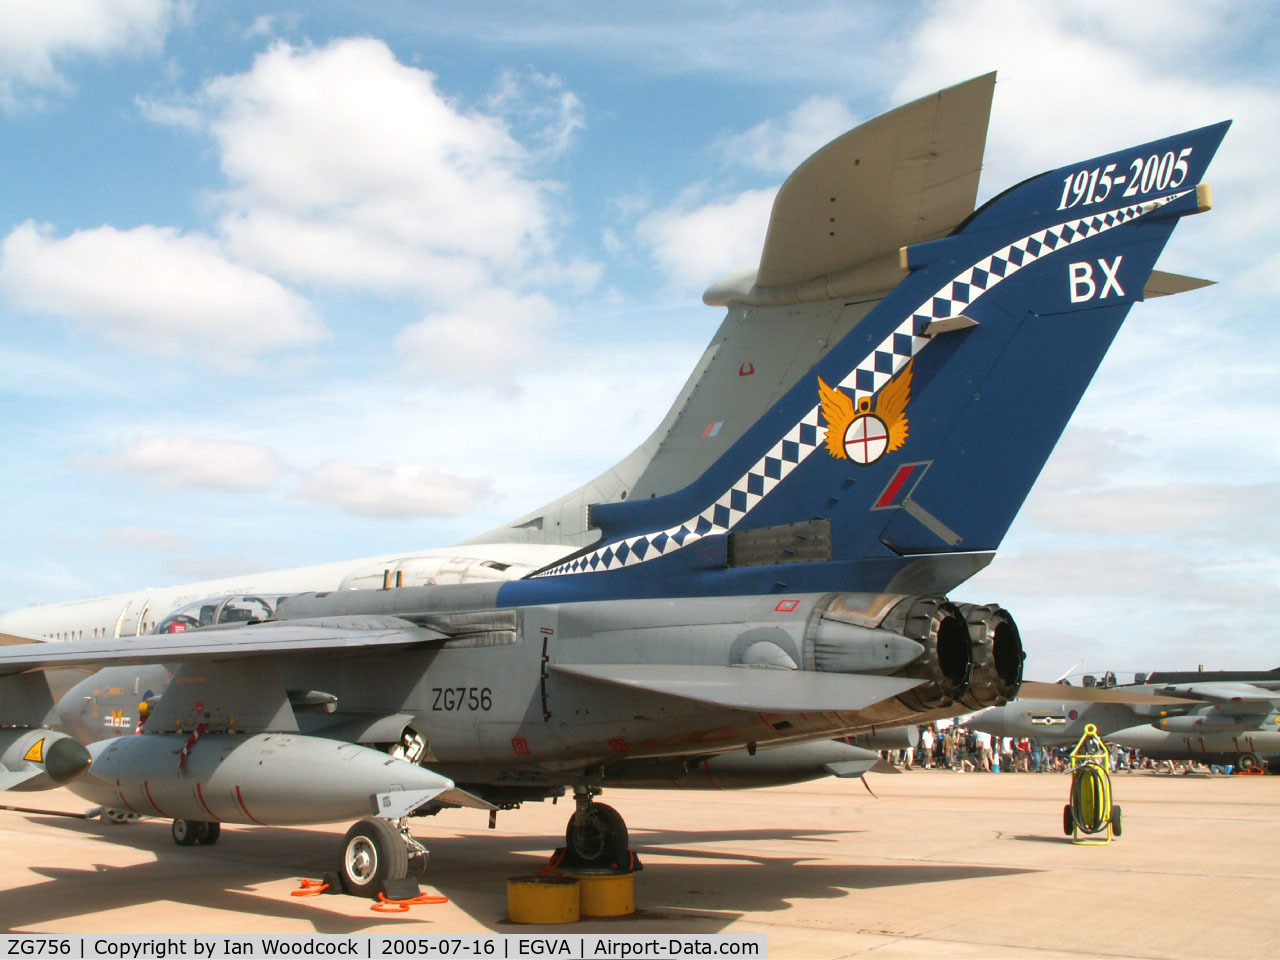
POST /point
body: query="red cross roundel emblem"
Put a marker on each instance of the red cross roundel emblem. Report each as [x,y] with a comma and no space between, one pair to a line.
[866,439]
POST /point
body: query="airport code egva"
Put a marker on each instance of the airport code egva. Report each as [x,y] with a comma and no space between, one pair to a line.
[551,947]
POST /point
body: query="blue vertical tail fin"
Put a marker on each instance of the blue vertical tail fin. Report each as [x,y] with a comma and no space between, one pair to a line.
[919,433]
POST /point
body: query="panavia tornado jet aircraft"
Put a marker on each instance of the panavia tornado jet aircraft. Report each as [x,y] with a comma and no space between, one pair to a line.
[1228,716]
[767,572]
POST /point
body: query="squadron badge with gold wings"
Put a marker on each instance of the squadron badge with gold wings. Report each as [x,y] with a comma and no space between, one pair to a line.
[878,426]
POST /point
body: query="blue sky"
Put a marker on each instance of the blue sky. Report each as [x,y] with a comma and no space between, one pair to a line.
[290,284]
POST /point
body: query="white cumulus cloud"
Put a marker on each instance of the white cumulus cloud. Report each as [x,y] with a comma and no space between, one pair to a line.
[154,289]
[362,155]
[176,461]
[37,38]
[145,540]
[697,244]
[779,146]
[491,333]
[394,491]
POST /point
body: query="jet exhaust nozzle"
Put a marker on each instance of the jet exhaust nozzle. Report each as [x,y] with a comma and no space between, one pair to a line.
[926,638]
[947,663]
[996,648]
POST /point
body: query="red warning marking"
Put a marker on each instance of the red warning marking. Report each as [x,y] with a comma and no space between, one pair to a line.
[200,797]
[120,794]
[786,606]
[747,369]
[520,746]
[240,800]
[618,745]
[706,765]
[896,484]
[146,787]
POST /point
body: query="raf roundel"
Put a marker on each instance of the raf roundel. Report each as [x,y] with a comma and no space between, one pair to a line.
[866,439]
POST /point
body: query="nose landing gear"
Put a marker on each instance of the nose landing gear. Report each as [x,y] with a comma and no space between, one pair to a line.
[596,837]
[377,852]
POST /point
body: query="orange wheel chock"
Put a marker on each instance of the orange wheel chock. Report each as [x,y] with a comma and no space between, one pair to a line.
[309,888]
[383,905]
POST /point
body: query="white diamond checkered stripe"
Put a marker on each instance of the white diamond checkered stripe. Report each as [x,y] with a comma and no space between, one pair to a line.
[873,372]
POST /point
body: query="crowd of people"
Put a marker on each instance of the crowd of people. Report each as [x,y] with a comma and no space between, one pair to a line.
[954,747]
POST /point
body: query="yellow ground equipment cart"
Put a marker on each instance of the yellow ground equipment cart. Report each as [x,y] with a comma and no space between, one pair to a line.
[1090,817]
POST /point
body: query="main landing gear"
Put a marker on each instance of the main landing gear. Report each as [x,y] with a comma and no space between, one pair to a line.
[192,833]
[376,852]
[596,837]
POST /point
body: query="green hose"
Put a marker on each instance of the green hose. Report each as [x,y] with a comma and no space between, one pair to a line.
[1091,798]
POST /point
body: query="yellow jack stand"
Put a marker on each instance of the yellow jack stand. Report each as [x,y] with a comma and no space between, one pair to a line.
[1090,818]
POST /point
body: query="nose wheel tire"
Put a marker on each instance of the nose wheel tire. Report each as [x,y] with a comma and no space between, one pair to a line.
[599,838]
[373,852]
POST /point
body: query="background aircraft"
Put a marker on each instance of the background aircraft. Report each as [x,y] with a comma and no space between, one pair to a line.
[1230,717]
[781,587]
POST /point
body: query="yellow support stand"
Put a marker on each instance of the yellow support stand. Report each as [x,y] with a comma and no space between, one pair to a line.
[543,899]
[605,893]
[1090,818]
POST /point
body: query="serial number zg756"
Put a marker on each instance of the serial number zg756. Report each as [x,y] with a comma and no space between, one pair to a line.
[462,698]
[37,947]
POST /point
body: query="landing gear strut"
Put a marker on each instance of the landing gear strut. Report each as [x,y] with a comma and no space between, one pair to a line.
[596,836]
[377,852]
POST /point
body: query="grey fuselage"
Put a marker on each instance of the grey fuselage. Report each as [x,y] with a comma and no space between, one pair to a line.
[489,705]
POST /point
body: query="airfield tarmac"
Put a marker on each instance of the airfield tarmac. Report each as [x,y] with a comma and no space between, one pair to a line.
[937,864]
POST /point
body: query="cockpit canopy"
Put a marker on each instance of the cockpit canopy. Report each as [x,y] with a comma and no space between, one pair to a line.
[240,608]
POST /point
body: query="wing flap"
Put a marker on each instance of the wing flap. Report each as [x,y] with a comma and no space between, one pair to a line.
[745,688]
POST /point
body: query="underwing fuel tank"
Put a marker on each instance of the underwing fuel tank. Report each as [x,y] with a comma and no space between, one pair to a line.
[1157,743]
[743,770]
[886,738]
[32,758]
[274,779]
[1199,723]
